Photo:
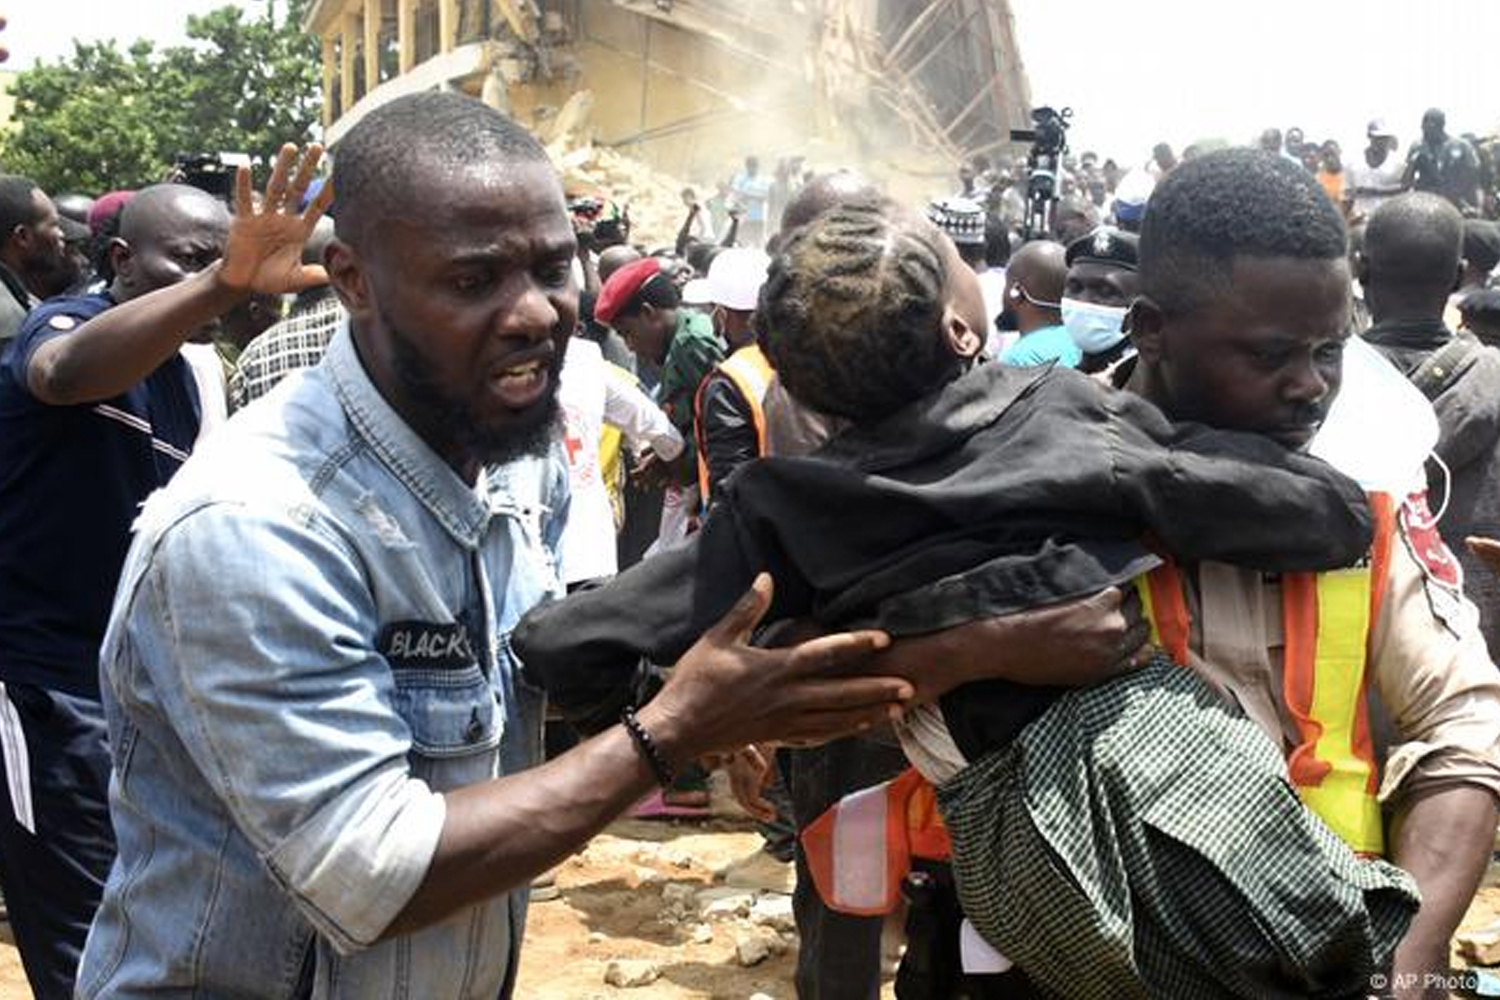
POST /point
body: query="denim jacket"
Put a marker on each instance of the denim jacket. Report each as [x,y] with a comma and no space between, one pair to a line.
[309,643]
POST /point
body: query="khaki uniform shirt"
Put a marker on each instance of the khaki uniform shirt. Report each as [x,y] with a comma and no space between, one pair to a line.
[1435,693]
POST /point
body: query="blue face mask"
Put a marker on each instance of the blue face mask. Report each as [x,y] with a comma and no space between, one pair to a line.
[1094,328]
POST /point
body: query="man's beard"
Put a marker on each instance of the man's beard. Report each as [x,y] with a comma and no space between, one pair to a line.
[54,275]
[528,436]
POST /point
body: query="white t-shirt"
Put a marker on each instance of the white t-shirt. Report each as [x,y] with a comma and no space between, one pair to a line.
[1385,178]
[213,393]
[992,284]
[590,399]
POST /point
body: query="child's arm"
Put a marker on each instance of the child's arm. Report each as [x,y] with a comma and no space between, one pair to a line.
[597,651]
[1234,497]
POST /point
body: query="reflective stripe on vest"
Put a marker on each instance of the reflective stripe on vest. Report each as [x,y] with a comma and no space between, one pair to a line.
[751,374]
[1328,619]
[860,850]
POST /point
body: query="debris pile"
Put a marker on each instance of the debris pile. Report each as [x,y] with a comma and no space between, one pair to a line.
[589,170]
[669,913]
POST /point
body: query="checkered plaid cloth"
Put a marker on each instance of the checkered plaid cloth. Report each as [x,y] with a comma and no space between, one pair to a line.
[298,341]
[1140,839]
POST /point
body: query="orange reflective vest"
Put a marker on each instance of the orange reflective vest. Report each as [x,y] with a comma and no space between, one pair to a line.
[1329,620]
[860,850]
[751,374]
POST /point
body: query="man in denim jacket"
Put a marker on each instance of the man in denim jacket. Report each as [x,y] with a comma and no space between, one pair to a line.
[315,718]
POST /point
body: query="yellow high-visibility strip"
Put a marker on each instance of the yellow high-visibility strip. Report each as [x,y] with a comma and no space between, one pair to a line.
[1342,799]
[1143,588]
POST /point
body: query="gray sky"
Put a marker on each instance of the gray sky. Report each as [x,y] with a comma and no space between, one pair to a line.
[1134,71]
[43,29]
[1139,71]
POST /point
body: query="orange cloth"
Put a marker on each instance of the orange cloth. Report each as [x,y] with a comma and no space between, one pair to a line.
[1334,185]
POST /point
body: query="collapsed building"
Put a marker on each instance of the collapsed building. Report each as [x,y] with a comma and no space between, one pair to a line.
[648,94]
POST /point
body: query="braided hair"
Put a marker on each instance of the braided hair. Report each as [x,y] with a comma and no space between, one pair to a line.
[851,313]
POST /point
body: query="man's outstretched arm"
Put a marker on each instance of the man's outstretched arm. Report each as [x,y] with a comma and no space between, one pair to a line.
[724,694]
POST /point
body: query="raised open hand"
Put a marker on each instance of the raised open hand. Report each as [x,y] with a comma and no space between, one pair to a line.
[264,250]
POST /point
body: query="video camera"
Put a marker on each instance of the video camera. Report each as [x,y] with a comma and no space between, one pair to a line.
[1049,141]
[604,224]
[210,172]
[1050,134]
[586,207]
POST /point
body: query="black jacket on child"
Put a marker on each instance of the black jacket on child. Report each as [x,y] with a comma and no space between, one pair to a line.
[1007,489]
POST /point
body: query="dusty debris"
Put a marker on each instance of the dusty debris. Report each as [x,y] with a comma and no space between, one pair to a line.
[679,892]
[570,126]
[1481,946]
[605,916]
[761,872]
[774,911]
[724,903]
[652,197]
[628,973]
[751,949]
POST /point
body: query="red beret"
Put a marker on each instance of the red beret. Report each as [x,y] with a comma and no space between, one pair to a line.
[622,286]
[106,207]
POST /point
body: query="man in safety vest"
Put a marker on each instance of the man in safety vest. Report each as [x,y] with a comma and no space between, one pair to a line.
[1242,325]
[728,417]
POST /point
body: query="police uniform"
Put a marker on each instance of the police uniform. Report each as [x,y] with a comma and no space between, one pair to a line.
[1436,691]
[1106,245]
[1113,248]
[72,479]
[1433,695]
[1415,699]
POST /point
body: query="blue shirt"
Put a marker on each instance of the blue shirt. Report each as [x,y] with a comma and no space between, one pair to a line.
[1040,347]
[310,643]
[71,481]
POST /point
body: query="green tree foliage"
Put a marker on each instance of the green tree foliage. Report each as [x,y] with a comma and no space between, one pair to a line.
[107,118]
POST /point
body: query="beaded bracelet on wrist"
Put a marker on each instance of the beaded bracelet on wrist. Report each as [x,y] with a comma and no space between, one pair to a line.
[665,776]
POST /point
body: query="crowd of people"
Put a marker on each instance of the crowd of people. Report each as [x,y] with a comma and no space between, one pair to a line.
[1121,599]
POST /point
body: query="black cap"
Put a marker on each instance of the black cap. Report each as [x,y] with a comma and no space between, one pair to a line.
[1482,306]
[1481,244]
[1106,245]
[73,232]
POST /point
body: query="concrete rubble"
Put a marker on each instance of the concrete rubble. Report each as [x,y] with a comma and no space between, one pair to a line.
[1480,947]
[652,197]
[628,973]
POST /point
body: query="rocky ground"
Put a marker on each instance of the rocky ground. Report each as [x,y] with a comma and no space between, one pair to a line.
[676,911]
[692,911]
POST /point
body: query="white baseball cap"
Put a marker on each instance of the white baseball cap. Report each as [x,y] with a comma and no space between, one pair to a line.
[734,278]
[696,293]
